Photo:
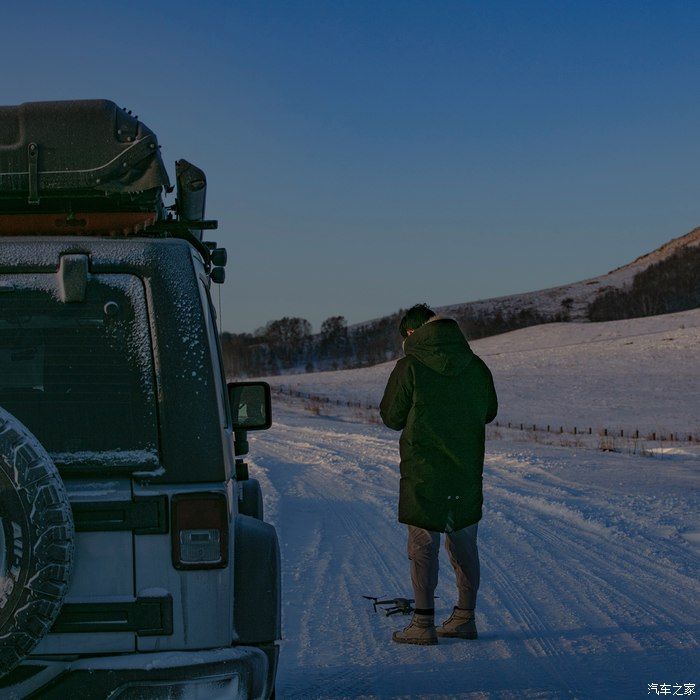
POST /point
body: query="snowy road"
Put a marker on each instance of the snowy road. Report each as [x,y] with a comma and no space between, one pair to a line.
[589,568]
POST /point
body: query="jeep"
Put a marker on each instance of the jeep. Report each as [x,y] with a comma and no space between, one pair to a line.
[134,558]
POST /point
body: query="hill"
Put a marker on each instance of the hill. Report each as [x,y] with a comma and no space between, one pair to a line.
[666,280]
[633,374]
[572,301]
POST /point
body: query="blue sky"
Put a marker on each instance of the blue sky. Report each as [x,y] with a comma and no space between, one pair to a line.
[363,156]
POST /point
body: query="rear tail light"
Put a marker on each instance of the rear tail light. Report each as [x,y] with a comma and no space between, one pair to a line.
[200,531]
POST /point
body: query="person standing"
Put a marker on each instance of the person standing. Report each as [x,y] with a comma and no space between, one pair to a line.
[440,395]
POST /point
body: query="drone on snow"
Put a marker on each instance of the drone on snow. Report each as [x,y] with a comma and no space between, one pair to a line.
[397,605]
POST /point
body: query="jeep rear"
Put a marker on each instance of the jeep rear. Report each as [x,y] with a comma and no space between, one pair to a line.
[109,356]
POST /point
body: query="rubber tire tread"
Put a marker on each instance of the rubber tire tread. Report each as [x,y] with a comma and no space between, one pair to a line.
[49,524]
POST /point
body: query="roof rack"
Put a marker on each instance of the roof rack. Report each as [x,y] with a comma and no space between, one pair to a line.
[110,183]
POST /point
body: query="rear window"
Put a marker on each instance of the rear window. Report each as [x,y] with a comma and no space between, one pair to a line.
[80,375]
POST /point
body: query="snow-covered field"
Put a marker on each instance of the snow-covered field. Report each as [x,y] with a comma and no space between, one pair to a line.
[589,569]
[641,373]
[589,558]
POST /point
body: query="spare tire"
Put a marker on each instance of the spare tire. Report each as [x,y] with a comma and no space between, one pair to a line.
[36,542]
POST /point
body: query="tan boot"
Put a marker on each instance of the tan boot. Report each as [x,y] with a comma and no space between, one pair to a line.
[460,624]
[420,631]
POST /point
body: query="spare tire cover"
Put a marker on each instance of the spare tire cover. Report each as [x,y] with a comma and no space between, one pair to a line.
[36,542]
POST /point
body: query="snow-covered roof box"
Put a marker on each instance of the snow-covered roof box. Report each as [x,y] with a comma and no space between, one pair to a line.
[78,166]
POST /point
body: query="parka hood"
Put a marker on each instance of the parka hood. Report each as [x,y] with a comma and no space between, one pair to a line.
[440,345]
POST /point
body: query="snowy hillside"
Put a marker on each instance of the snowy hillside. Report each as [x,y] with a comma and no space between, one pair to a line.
[664,281]
[548,302]
[641,373]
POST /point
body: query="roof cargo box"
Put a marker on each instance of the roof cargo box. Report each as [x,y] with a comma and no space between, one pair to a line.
[84,159]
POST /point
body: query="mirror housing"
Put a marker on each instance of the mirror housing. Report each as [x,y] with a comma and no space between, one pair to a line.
[251,405]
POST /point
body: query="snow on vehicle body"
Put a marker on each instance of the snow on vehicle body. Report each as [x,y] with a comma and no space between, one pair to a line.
[109,355]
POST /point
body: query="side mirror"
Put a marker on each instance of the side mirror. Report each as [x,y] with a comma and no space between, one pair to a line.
[251,405]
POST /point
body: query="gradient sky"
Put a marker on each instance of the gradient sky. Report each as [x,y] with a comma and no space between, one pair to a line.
[363,156]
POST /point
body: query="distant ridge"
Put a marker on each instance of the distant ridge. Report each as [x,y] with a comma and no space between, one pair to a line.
[666,280]
[555,300]
[548,301]
[689,239]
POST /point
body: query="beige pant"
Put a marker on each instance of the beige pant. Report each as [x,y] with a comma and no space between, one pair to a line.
[423,551]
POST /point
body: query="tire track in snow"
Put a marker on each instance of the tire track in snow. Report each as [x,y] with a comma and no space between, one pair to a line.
[616,513]
[370,564]
[601,597]
[573,532]
[358,554]
[337,487]
[540,644]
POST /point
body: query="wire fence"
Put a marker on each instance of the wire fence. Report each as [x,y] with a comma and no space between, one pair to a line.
[636,434]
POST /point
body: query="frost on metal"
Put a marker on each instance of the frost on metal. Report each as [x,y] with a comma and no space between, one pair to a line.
[127,334]
[138,349]
[31,282]
[108,458]
[167,325]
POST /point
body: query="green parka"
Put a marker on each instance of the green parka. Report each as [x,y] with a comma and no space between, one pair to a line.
[440,395]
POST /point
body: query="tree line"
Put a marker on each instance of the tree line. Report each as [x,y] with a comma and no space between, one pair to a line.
[289,345]
[670,285]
